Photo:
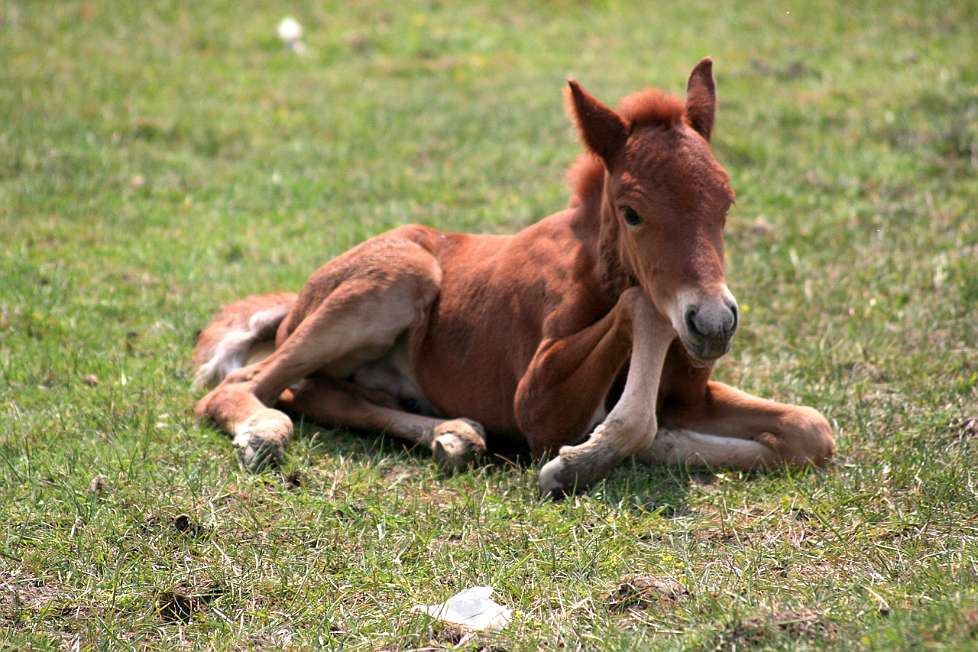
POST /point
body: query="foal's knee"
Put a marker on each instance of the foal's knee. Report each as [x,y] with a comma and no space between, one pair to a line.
[803,438]
[811,441]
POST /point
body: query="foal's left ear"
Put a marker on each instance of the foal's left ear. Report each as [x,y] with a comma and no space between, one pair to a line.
[603,130]
[701,97]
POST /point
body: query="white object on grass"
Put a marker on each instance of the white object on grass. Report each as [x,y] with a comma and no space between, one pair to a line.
[472,608]
[289,30]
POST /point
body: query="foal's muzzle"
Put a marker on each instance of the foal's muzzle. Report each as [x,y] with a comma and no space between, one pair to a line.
[709,327]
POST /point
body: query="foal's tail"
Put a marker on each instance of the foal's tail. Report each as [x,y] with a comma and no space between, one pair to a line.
[240,334]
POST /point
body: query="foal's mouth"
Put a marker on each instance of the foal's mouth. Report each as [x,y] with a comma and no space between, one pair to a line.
[704,354]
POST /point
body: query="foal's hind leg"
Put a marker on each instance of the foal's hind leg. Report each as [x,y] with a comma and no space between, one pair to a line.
[352,310]
[454,443]
[733,429]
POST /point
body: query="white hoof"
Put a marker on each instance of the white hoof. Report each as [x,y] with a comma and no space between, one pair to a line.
[260,441]
[550,480]
[457,444]
[576,469]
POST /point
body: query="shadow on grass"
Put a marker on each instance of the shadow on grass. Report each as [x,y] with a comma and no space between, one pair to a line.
[659,489]
[633,486]
[371,447]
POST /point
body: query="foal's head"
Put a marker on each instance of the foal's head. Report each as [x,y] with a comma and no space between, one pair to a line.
[665,201]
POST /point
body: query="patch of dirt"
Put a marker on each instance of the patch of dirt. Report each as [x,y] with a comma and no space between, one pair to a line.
[645,592]
[754,631]
[185,525]
[179,604]
[19,592]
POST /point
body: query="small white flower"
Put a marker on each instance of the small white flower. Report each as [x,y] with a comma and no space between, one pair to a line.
[289,30]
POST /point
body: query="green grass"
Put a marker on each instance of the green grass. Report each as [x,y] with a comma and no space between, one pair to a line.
[158,162]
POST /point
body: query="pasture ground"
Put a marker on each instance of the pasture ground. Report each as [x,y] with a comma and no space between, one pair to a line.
[160,159]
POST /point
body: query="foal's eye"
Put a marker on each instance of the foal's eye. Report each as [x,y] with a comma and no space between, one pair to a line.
[631,217]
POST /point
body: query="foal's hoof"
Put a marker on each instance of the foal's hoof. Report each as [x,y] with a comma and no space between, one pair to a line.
[261,439]
[457,444]
[556,479]
[565,475]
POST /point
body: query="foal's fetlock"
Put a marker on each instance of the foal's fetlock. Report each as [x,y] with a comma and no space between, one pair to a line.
[457,444]
[577,468]
[261,439]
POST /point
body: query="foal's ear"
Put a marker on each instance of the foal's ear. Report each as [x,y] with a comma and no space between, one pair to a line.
[701,97]
[602,130]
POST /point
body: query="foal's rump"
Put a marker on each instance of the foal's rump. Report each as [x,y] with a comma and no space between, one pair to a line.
[241,333]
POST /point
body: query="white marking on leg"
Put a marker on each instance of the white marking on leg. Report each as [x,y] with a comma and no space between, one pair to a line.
[631,424]
[689,447]
[232,351]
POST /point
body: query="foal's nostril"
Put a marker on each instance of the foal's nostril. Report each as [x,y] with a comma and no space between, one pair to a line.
[734,320]
[691,322]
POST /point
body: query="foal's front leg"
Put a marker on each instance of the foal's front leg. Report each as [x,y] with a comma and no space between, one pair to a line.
[631,425]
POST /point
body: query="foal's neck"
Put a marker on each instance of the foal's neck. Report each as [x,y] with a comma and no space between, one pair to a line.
[597,227]
[614,276]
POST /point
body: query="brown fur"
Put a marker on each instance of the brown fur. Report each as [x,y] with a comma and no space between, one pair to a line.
[651,108]
[528,334]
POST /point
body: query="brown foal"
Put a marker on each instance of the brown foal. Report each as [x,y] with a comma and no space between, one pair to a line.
[590,335]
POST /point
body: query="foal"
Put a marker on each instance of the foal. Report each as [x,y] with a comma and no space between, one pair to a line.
[583,335]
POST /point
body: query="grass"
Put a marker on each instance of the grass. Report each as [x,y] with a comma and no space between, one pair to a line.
[158,160]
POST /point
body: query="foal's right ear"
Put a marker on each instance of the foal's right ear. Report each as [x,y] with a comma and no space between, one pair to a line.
[602,130]
[701,97]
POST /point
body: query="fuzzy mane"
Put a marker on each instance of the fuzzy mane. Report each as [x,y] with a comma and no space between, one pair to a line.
[650,107]
[585,178]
